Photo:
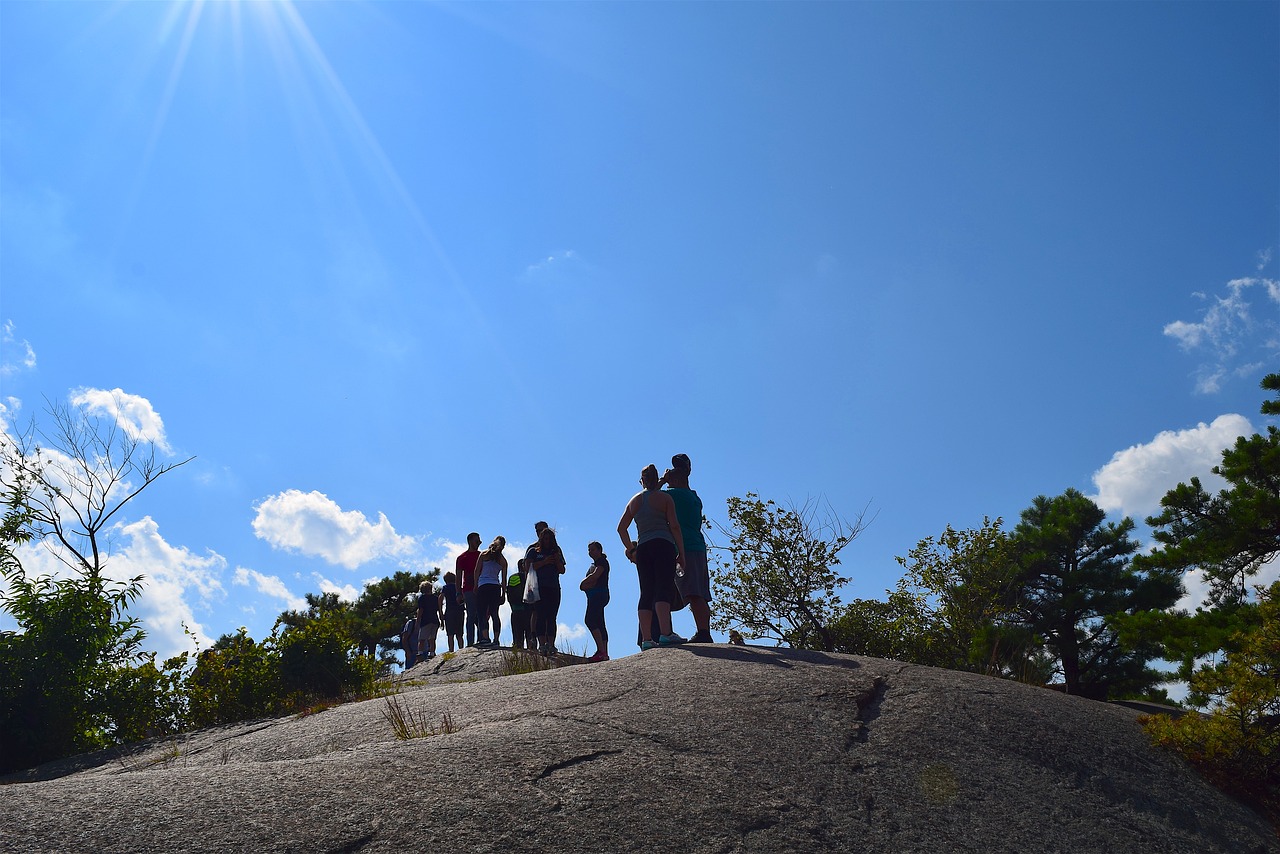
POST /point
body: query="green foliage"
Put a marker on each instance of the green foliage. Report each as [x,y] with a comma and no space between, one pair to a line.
[319,659]
[237,679]
[1227,536]
[382,609]
[953,608]
[894,629]
[963,584]
[59,673]
[1237,746]
[1075,576]
[145,700]
[779,580]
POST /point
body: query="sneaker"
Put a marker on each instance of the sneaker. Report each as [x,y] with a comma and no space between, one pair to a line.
[646,645]
[599,656]
[672,639]
[702,637]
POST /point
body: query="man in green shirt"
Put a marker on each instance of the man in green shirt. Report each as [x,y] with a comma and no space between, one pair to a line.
[695,583]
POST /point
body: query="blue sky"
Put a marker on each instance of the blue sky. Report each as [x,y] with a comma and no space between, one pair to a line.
[393,272]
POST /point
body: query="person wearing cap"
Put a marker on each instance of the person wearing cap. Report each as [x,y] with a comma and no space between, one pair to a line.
[658,548]
[694,583]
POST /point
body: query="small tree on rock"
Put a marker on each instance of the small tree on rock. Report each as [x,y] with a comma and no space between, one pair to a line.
[777,577]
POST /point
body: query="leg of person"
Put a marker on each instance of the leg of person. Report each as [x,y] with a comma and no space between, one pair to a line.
[604,631]
[594,621]
[432,639]
[644,608]
[552,620]
[473,615]
[484,597]
[695,586]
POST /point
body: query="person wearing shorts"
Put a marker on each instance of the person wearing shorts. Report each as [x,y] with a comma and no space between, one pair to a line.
[694,583]
[428,618]
[454,610]
[658,547]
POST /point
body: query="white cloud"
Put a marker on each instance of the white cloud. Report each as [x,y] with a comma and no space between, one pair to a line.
[1135,479]
[1197,588]
[312,524]
[8,408]
[345,592]
[1229,328]
[134,414]
[269,585]
[175,582]
[11,362]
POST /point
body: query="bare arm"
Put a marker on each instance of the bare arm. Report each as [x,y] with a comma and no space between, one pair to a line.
[624,527]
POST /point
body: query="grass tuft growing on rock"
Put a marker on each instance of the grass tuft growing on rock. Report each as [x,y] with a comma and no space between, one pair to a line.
[408,723]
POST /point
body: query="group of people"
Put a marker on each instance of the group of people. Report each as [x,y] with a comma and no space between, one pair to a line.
[671,562]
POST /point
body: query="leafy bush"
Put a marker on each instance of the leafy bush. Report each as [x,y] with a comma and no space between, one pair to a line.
[319,659]
[1237,746]
[238,679]
[59,674]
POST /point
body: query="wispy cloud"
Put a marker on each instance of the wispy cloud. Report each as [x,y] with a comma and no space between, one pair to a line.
[556,265]
[16,354]
[135,415]
[269,585]
[1135,479]
[312,524]
[1232,331]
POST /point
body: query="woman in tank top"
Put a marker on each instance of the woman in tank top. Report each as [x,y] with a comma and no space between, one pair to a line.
[659,546]
[490,581]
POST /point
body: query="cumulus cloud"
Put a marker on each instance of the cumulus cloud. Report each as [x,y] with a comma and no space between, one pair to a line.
[269,585]
[345,592]
[176,581]
[134,414]
[312,524]
[1196,587]
[1231,332]
[16,354]
[1135,479]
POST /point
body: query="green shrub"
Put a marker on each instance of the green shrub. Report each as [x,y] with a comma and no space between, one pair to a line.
[238,679]
[319,659]
[1237,745]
